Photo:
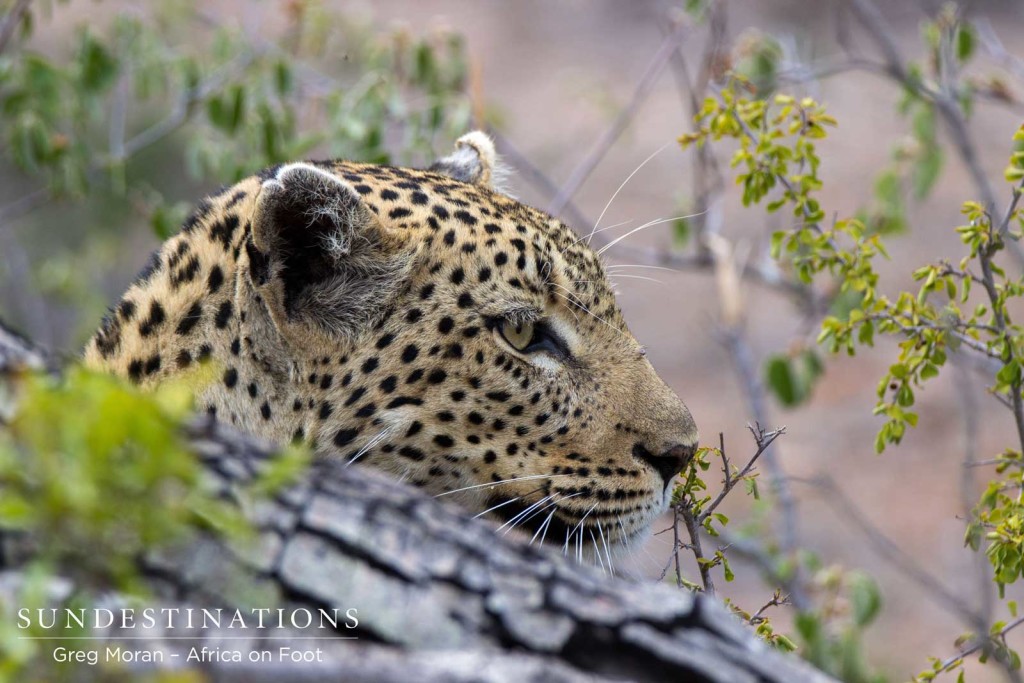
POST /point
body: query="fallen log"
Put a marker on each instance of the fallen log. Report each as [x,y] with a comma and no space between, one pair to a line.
[439,595]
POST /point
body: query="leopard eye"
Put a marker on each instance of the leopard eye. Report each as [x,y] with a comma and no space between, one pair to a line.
[533,337]
[518,336]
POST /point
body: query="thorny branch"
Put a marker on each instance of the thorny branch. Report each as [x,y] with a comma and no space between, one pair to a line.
[694,517]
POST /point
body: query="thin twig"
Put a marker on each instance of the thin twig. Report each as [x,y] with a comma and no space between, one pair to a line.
[764,441]
[778,599]
[536,177]
[148,137]
[707,176]
[608,138]
[788,526]
[980,644]
[969,411]
[186,104]
[703,565]
[836,498]
[11,21]
[995,48]
[944,99]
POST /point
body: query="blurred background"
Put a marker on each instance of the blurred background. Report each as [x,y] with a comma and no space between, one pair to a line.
[168,100]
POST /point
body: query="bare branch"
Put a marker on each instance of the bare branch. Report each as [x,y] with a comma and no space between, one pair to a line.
[608,138]
[945,102]
[788,527]
[180,114]
[537,178]
[707,176]
[836,498]
[970,413]
[995,48]
[10,22]
[777,600]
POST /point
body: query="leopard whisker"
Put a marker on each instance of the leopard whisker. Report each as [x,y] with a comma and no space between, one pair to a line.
[544,526]
[541,506]
[574,301]
[499,483]
[514,521]
[624,182]
[612,276]
[607,551]
[649,224]
[373,442]
[579,524]
[630,548]
[613,266]
[609,227]
[496,507]
[597,553]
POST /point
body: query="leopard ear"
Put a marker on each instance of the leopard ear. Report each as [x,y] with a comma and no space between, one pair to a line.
[473,161]
[318,255]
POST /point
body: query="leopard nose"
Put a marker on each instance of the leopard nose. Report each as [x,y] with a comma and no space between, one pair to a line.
[668,464]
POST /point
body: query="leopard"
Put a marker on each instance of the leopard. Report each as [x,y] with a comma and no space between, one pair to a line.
[422,322]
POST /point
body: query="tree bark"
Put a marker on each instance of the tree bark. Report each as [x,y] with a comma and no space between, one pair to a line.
[440,596]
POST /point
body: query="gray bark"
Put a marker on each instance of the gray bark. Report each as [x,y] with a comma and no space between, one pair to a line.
[440,596]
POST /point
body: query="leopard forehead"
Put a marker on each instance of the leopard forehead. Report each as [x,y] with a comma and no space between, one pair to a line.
[419,383]
[504,254]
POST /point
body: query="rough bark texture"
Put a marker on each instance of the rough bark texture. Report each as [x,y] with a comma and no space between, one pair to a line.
[440,596]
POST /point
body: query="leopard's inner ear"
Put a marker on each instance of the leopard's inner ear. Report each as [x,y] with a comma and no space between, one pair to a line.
[473,161]
[318,256]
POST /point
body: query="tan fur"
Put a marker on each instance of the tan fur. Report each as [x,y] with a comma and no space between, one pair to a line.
[409,372]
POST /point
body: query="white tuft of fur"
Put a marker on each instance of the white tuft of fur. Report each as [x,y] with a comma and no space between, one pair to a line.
[475,160]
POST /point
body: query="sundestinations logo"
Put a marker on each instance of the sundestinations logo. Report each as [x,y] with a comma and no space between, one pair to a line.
[169,624]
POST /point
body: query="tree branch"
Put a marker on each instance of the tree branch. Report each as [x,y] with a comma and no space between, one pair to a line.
[604,143]
[426,578]
[11,20]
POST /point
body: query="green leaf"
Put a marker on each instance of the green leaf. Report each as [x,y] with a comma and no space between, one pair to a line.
[927,170]
[283,79]
[1009,373]
[97,66]
[167,219]
[681,232]
[780,380]
[964,42]
[865,599]
[890,213]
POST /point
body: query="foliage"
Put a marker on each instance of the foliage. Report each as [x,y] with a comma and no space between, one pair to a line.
[958,309]
[132,103]
[113,443]
[127,105]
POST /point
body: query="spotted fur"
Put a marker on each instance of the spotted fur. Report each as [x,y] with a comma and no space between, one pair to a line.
[360,307]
